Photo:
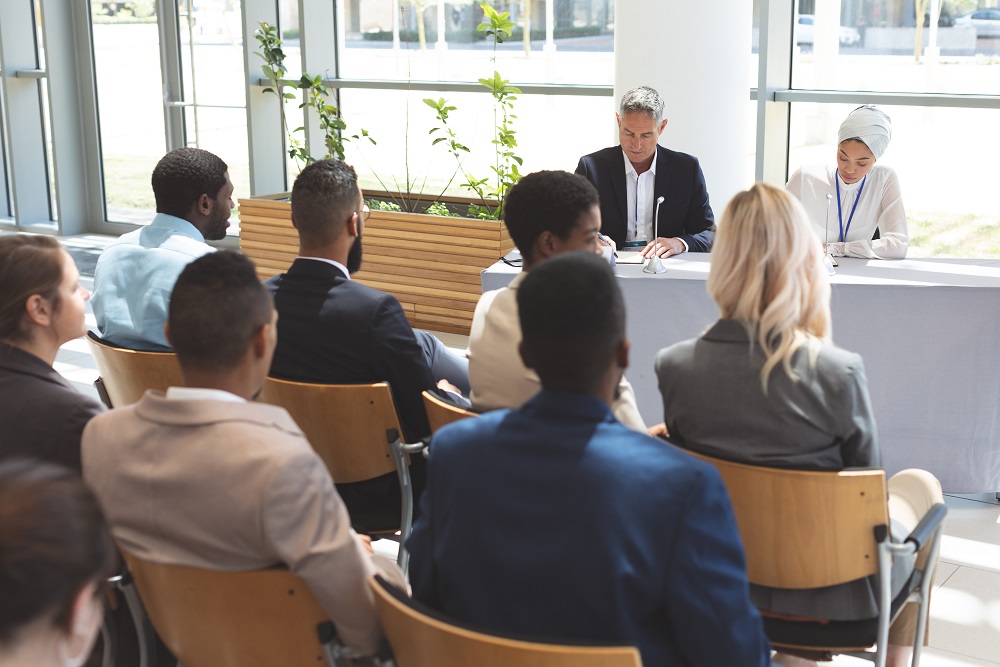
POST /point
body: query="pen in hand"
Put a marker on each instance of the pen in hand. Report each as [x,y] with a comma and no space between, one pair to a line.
[606,242]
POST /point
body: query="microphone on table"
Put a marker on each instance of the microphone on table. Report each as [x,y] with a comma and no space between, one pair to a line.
[827,258]
[654,265]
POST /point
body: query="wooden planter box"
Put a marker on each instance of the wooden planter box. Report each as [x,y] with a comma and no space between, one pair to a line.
[430,263]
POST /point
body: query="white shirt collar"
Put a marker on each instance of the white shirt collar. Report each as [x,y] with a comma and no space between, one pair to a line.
[343,269]
[630,170]
[202,394]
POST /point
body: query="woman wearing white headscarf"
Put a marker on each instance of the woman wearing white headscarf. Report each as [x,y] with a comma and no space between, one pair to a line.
[850,202]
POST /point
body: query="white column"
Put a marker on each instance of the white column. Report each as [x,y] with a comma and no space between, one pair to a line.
[698,58]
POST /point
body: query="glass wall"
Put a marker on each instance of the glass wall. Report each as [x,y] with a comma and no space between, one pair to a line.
[126,42]
[401,39]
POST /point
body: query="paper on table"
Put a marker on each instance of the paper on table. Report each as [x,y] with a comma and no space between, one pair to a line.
[629,257]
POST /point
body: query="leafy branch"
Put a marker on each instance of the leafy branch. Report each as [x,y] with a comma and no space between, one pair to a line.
[315,96]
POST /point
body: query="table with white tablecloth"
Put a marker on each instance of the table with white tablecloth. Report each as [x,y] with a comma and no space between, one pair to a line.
[928,330]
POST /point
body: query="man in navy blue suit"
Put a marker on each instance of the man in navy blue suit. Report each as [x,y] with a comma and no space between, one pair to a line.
[556,522]
[630,178]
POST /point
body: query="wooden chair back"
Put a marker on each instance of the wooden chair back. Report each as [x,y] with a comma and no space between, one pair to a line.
[345,423]
[441,413]
[127,374]
[420,640]
[207,618]
[806,529]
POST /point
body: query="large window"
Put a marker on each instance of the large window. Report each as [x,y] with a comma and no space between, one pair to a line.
[164,82]
[130,105]
[938,83]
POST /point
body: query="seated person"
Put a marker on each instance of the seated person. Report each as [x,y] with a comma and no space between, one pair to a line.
[547,213]
[856,207]
[631,177]
[136,273]
[333,330]
[555,522]
[764,385]
[42,306]
[205,477]
[55,556]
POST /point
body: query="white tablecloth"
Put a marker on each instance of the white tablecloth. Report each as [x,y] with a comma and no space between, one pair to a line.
[928,330]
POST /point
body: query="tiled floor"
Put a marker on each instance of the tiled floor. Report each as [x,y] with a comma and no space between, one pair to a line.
[965,608]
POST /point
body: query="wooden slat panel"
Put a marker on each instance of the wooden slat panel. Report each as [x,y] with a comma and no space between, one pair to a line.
[432,269]
[397,236]
[445,286]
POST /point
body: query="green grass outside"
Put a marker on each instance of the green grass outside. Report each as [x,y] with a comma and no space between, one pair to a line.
[942,234]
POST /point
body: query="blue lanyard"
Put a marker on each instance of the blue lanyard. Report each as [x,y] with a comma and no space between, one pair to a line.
[840,215]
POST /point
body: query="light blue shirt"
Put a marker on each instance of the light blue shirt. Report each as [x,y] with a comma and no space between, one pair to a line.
[135,276]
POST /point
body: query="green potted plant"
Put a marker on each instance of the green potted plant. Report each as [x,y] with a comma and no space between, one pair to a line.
[430,263]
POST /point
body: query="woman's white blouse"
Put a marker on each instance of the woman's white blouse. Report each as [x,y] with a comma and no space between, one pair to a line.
[881,206]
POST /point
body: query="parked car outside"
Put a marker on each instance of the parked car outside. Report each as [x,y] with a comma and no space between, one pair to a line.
[985,21]
[805,31]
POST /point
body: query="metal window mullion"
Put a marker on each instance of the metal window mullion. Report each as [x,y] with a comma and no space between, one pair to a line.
[774,73]
[26,142]
[168,24]
[888,99]
[67,103]
[318,41]
[264,133]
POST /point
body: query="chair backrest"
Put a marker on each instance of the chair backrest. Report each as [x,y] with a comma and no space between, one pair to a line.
[420,640]
[806,529]
[127,374]
[207,618]
[440,413]
[345,423]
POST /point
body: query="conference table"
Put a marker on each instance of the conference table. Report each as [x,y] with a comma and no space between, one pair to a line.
[927,329]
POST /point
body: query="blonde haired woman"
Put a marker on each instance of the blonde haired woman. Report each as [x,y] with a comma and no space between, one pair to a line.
[778,392]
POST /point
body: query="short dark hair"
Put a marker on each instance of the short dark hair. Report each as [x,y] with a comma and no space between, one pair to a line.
[572,319]
[29,264]
[546,201]
[185,174]
[54,541]
[217,307]
[323,197]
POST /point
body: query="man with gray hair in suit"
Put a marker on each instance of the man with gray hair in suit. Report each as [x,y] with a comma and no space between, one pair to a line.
[633,177]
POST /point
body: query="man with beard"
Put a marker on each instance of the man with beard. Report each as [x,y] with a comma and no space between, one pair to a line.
[136,274]
[333,330]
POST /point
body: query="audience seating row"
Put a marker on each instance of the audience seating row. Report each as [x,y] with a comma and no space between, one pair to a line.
[840,535]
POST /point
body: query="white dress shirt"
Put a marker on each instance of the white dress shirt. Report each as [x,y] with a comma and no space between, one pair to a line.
[639,196]
[880,205]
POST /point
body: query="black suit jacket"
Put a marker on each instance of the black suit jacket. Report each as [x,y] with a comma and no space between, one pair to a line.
[332,330]
[685,212]
[42,415]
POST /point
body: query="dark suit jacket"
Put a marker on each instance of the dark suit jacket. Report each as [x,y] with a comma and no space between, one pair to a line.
[42,415]
[554,521]
[685,212]
[332,330]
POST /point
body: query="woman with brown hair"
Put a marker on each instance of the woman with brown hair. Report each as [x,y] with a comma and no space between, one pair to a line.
[42,306]
[55,555]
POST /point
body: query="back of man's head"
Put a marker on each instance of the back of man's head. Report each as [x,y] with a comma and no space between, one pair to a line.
[550,201]
[323,197]
[217,308]
[183,175]
[572,320]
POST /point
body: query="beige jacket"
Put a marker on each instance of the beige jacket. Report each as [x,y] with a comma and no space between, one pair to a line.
[498,377]
[231,486]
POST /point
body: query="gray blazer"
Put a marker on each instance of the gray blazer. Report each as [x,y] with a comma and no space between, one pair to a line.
[713,403]
[230,486]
